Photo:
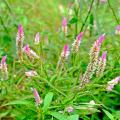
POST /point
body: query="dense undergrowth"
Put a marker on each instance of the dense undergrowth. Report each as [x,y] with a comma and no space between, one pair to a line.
[56,73]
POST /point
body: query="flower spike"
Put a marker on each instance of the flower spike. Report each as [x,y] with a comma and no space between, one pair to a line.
[64,56]
[112,83]
[64,26]
[37,38]
[101,64]
[94,53]
[30,53]
[38,100]
[19,41]
[4,68]
[76,43]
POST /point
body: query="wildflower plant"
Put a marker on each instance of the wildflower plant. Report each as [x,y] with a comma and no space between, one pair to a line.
[30,53]
[77,92]
[112,83]
[64,26]
[94,54]
[76,43]
[63,57]
[19,42]
[101,64]
[4,69]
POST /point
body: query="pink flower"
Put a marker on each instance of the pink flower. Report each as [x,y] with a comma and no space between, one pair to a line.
[38,100]
[3,67]
[66,51]
[100,39]
[30,53]
[64,56]
[101,64]
[64,26]
[76,43]
[117,31]
[69,109]
[104,56]
[92,66]
[20,34]
[64,22]
[27,49]
[31,73]
[3,61]
[19,41]
[112,83]
[79,37]
[37,38]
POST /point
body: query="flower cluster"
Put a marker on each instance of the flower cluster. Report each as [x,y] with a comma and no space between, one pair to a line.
[101,65]
[19,41]
[38,100]
[3,67]
[69,109]
[76,43]
[94,53]
[117,31]
[64,56]
[30,53]
[112,83]
[31,73]
[37,38]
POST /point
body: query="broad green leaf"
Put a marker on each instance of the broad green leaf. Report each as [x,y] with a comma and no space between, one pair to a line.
[108,114]
[58,116]
[47,101]
[73,20]
[73,117]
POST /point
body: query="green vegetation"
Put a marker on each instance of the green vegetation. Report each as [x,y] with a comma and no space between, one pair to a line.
[61,95]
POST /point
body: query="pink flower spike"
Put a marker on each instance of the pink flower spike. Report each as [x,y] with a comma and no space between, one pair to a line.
[79,37]
[101,39]
[66,50]
[118,28]
[3,61]
[64,22]
[37,97]
[20,32]
[37,38]
[104,56]
[27,48]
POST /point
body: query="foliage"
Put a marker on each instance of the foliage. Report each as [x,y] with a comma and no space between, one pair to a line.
[59,89]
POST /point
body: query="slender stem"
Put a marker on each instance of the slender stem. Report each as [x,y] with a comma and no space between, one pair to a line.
[8,6]
[113,11]
[87,15]
[2,22]
[76,24]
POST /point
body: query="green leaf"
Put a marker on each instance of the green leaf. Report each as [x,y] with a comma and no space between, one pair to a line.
[108,114]
[47,101]
[17,102]
[4,113]
[58,116]
[73,20]
[73,117]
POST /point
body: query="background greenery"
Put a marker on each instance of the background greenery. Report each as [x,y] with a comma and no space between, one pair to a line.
[45,16]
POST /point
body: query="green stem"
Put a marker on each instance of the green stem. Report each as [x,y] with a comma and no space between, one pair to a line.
[53,86]
[87,15]
[113,12]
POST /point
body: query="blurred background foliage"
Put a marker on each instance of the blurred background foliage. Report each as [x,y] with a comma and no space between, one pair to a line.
[45,16]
